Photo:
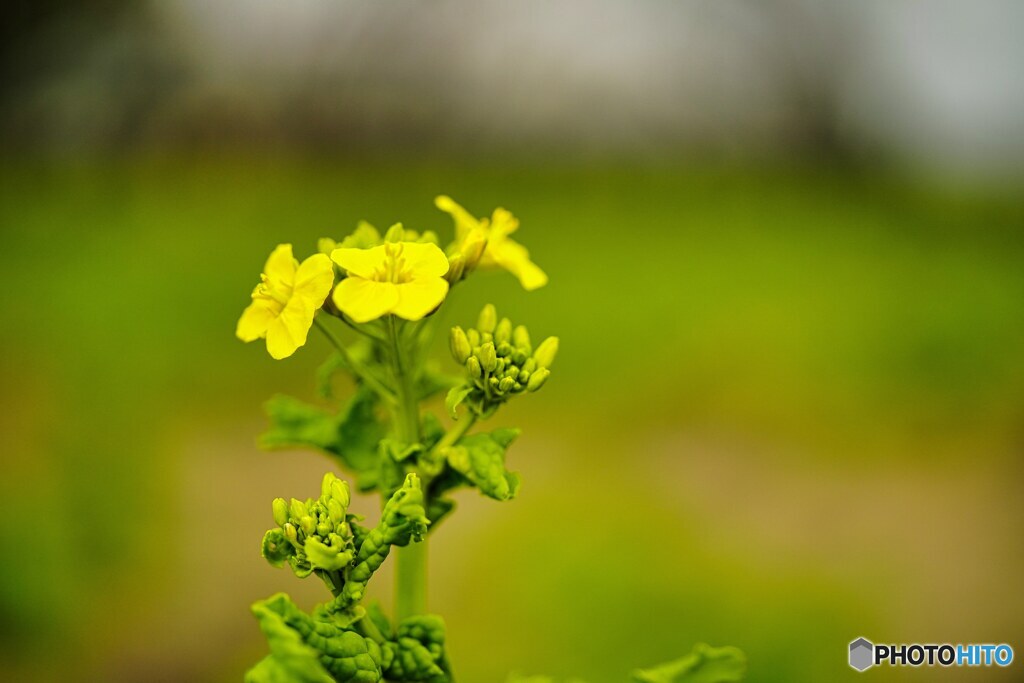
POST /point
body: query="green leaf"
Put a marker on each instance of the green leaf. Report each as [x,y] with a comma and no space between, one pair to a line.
[418,653]
[276,548]
[480,458]
[705,664]
[322,648]
[290,660]
[456,395]
[351,436]
[296,423]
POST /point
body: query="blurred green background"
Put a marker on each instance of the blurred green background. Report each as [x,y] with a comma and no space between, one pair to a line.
[788,409]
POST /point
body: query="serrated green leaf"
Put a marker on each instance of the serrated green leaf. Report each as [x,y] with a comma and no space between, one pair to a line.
[326,638]
[276,549]
[290,660]
[455,397]
[705,664]
[480,458]
[325,557]
[351,436]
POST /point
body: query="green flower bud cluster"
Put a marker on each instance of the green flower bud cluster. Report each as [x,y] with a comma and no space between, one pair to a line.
[500,360]
[313,535]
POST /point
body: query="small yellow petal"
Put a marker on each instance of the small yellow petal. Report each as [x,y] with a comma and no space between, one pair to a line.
[514,258]
[365,300]
[419,297]
[424,259]
[313,280]
[281,264]
[256,318]
[360,262]
[503,223]
[464,220]
[289,330]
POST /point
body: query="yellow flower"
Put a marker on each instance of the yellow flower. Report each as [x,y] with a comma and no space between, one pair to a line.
[500,251]
[404,278]
[284,302]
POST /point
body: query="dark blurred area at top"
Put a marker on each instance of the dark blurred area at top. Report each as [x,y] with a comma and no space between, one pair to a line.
[937,86]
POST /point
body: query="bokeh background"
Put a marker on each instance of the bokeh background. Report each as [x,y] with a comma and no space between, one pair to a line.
[787,269]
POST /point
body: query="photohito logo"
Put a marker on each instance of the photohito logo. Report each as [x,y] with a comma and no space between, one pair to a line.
[864,654]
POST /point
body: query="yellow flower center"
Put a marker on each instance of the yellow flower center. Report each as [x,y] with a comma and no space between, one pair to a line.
[276,291]
[393,268]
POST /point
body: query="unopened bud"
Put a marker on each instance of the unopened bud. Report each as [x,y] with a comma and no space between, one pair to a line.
[512,371]
[340,493]
[290,532]
[297,509]
[325,245]
[459,343]
[456,268]
[488,357]
[325,485]
[529,365]
[537,379]
[473,365]
[322,529]
[308,525]
[546,352]
[488,319]
[474,337]
[280,511]
[504,349]
[506,384]
[335,511]
[521,337]
[503,332]
[394,234]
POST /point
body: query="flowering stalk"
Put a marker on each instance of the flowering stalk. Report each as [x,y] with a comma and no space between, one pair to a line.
[386,291]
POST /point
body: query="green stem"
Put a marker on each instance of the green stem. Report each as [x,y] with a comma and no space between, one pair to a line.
[357,368]
[410,561]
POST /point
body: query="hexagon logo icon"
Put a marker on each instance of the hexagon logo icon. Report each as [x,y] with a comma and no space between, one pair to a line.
[862,654]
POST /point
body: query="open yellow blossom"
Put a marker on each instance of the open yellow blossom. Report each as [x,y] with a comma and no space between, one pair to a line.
[403,278]
[501,251]
[285,301]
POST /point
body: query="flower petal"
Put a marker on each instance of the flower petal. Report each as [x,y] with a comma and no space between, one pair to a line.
[514,258]
[419,297]
[256,318]
[281,265]
[360,262]
[503,223]
[313,280]
[289,330]
[464,220]
[424,259]
[365,300]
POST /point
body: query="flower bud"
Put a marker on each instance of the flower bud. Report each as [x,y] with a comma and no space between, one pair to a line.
[456,268]
[521,337]
[529,365]
[504,349]
[280,511]
[395,234]
[546,352]
[537,379]
[297,509]
[335,511]
[325,485]
[322,529]
[474,337]
[503,332]
[488,319]
[512,371]
[325,245]
[459,344]
[340,493]
[308,525]
[506,384]
[290,532]
[473,365]
[488,357]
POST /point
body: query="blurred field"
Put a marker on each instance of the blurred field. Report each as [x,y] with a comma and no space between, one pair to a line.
[788,411]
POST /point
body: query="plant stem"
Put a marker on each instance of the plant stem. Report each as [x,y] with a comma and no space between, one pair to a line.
[410,561]
[361,372]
